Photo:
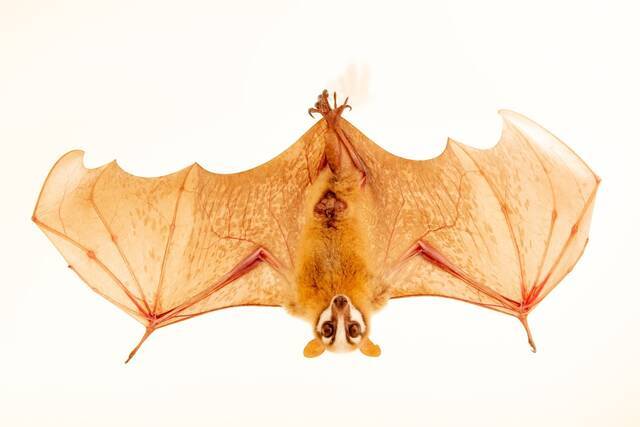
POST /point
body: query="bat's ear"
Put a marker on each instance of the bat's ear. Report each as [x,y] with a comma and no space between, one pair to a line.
[314,348]
[370,349]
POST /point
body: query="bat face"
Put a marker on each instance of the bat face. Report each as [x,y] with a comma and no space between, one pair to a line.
[341,326]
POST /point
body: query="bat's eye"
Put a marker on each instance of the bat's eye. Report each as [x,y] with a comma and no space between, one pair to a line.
[354,330]
[327,329]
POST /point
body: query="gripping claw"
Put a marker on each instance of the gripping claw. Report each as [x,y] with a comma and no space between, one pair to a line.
[323,107]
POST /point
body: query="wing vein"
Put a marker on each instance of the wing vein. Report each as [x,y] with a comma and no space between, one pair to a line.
[553,212]
[114,240]
[572,234]
[503,209]
[393,229]
[468,281]
[284,238]
[496,307]
[98,261]
[172,228]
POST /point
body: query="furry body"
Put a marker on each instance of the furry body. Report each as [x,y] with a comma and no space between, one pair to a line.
[332,256]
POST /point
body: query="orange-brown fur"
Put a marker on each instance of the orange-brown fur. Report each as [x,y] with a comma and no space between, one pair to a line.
[333,260]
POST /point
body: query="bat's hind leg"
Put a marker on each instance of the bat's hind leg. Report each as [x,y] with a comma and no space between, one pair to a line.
[332,117]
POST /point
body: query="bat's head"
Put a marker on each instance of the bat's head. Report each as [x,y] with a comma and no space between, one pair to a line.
[341,327]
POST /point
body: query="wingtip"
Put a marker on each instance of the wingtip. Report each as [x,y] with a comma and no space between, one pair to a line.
[76,156]
[504,112]
[538,133]
[513,117]
[75,152]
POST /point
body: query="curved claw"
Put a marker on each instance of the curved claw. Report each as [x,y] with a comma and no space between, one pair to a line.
[323,106]
[341,108]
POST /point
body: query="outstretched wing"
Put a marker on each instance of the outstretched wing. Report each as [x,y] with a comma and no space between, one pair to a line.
[169,248]
[498,227]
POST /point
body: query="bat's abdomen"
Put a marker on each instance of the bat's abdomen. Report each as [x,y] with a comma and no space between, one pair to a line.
[329,209]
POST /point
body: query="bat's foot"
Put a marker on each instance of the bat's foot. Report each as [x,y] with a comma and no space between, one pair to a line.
[323,107]
[331,115]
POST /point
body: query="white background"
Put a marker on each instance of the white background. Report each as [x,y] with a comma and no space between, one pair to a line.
[161,84]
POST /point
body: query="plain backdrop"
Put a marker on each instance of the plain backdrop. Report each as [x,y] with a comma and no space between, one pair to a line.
[160,84]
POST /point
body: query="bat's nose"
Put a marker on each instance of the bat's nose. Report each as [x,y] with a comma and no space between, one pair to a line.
[340,301]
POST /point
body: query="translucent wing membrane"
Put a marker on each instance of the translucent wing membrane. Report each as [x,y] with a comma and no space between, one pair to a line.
[168,248]
[497,227]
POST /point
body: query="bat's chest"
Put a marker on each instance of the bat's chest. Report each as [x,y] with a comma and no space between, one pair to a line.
[332,253]
[329,210]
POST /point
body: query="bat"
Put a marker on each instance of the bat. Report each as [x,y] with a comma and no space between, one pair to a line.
[331,229]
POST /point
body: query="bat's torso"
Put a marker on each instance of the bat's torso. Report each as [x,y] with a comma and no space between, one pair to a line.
[332,256]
